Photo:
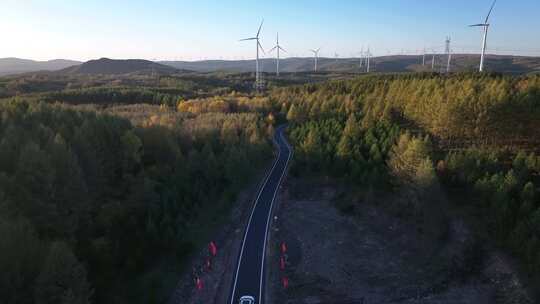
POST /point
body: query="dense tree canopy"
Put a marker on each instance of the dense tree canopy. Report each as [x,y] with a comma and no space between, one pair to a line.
[98,199]
[460,109]
[96,189]
[466,129]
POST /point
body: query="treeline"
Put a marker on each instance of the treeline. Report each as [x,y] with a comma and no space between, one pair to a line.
[88,201]
[329,138]
[507,195]
[460,110]
[475,133]
[113,95]
[341,149]
[226,104]
[95,88]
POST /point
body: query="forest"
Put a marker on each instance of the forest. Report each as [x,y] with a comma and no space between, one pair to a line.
[89,199]
[477,136]
[140,87]
[104,178]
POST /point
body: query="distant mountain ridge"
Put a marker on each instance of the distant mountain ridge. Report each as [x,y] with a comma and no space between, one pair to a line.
[114,67]
[16,65]
[387,64]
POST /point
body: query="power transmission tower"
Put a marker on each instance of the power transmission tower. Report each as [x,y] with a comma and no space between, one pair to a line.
[261,83]
[361,58]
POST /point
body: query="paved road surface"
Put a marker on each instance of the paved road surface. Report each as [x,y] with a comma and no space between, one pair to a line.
[249,271]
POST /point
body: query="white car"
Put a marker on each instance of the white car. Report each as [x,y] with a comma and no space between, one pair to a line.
[247,300]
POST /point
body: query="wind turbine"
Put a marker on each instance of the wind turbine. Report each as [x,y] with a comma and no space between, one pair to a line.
[258,46]
[433,60]
[485,26]
[316,54]
[448,53]
[277,48]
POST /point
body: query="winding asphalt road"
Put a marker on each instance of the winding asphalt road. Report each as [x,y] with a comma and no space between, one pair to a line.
[249,272]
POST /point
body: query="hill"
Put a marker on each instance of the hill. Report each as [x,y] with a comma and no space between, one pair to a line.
[385,64]
[242,66]
[115,67]
[16,65]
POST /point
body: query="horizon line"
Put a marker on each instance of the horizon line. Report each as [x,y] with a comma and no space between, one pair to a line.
[157,60]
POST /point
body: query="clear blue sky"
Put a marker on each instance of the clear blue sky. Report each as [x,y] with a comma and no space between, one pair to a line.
[192,30]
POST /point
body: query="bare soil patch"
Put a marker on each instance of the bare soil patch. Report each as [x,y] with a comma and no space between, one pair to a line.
[377,256]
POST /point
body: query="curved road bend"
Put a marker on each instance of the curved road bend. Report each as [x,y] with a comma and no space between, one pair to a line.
[249,272]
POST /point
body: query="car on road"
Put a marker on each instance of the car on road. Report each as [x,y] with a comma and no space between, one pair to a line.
[247,300]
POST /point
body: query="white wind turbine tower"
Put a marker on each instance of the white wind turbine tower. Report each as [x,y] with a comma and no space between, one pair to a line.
[448,53]
[316,54]
[485,26]
[277,48]
[258,46]
[433,60]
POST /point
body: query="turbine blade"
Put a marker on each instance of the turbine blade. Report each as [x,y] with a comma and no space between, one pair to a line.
[260,26]
[490,10]
[479,24]
[282,49]
[260,46]
[247,39]
[272,49]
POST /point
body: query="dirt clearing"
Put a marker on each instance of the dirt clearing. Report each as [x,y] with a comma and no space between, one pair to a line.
[377,257]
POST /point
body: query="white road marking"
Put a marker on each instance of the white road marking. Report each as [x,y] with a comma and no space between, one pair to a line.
[270,213]
[251,216]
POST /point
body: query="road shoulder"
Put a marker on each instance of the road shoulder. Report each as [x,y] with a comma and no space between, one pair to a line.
[217,281]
